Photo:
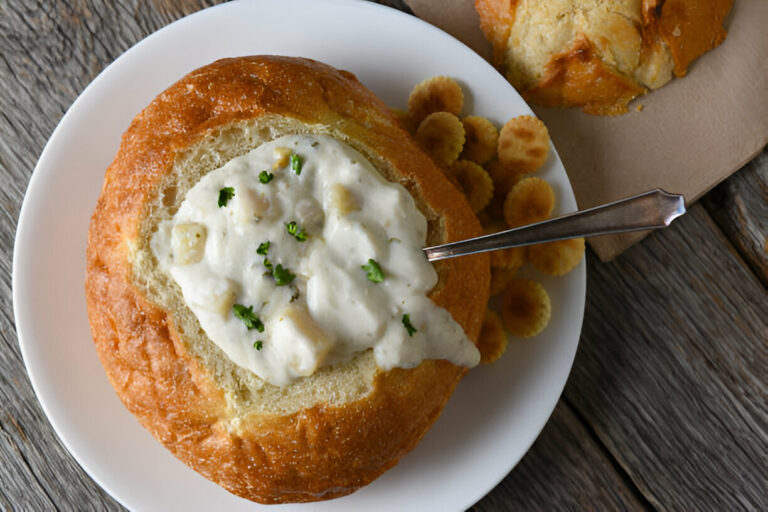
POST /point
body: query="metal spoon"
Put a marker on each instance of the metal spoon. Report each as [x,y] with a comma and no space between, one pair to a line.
[649,210]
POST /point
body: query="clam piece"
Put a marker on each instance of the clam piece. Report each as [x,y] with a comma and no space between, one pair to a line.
[282,156]
[251,206]
[310,215]
[216,295]
[304,345]
[342,199]
[188,242]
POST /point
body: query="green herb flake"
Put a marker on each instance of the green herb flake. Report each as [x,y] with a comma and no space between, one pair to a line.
[265,177]
[258,344]
[408,325]
[297,233]
[375,274]
[225,195]
[263,248]
[296,163]
[282,276]
[248,317]
[268,264]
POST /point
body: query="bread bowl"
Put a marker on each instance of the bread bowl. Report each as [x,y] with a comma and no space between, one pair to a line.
[598,55]
[319,436]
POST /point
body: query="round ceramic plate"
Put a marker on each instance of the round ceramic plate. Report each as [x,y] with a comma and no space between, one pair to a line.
[497,411]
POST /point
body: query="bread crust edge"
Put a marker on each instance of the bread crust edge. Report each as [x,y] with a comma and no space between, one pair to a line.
[317,453]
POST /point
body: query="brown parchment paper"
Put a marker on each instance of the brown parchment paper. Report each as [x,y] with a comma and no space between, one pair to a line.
[690,135]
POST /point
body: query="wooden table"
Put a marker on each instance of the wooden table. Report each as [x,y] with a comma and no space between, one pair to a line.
[666,406]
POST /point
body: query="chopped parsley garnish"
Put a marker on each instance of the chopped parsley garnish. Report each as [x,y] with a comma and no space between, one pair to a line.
[263,248]
[282,275]
[293,230]
[225,195]
[296,163]
[265,177]
[248,317]
[408,325]
[375,274]
[258,344]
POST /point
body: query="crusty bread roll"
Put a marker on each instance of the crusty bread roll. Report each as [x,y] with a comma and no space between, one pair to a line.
[322,436]
[595,54]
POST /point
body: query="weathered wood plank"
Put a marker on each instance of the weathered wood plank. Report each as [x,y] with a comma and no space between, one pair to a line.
[671,369]
[739,206]
[24,483]
[565,469]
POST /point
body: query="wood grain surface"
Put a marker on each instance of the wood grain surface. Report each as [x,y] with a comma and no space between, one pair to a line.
[740,208]
[671,368]
[666,406]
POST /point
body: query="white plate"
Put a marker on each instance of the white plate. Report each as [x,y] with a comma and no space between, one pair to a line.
[497,411]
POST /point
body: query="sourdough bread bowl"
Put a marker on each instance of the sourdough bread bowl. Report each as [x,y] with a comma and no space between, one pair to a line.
[320,436]
[594,54]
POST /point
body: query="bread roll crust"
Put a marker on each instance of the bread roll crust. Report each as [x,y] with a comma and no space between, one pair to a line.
[318,452]
[598,55]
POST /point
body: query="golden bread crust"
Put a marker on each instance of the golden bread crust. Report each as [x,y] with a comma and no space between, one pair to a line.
[316,453]
[579,77]
[598,55]
[691,27]
[496,20]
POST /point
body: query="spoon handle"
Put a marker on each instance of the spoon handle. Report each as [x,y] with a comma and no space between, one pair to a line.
[649,210]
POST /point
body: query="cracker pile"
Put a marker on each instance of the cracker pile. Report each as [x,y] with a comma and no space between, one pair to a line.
[492,168]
